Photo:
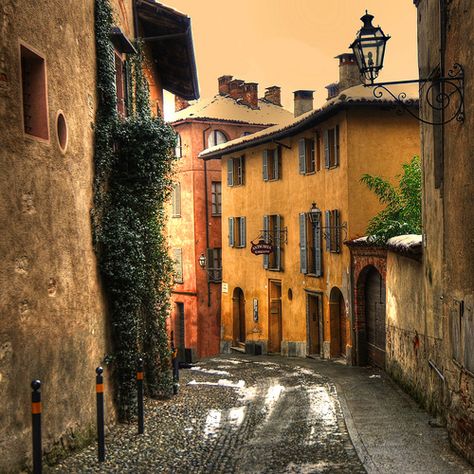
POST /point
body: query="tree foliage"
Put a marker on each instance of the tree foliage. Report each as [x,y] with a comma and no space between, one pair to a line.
[133,179]
[402,213]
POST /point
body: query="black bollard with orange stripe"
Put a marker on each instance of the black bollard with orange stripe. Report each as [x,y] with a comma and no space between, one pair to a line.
[141,418]
[99,389]
[36,422]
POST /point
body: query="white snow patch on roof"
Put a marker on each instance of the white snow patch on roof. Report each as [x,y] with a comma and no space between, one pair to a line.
[405,241]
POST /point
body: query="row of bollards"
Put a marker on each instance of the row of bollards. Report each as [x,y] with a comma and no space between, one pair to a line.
[99,388]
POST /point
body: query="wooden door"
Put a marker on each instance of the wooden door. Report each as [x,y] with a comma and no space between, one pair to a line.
[238,310]
[375,318]
[275,317]
[313,325]
[242,332]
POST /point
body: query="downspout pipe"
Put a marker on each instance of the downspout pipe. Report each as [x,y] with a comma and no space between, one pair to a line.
[206,200]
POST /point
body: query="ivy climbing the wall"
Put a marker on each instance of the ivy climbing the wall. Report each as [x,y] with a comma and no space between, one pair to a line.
[133,179]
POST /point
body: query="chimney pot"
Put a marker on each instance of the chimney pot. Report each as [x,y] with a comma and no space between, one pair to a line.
[224,82]
[349,74]
[303,101]
[236,89]
[250,96]
[273,95]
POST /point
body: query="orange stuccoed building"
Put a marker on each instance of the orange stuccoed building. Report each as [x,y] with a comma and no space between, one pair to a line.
[194,227]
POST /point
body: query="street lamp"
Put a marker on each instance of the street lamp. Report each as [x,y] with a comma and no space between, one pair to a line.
[314,214]
[202,261]
[440,92]
[369,48]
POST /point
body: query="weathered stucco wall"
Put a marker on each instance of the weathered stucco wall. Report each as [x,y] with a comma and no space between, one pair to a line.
[409,348]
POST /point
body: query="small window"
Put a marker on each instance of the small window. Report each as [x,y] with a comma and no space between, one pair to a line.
[272,164]
[176,200]
[216,137]
[216,198]
[331,147]
[237,232]
[308,154]
[33,88]
[178,151]
[333,231]
[214,264]
[236,171]
[61,131]
[273,232]
[120,84]
[311,249]
[178,265]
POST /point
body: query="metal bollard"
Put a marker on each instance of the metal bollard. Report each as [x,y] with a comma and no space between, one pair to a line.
[36,423]
[99,389]
[141,421]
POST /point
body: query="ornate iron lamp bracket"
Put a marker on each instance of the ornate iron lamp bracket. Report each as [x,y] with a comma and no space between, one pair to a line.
[271,236]
[326,231]
[450,94]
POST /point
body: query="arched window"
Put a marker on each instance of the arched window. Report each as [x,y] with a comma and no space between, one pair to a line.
[178,151]
[216,137]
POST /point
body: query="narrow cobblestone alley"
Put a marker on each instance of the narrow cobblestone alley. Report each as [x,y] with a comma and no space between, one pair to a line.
[269,415]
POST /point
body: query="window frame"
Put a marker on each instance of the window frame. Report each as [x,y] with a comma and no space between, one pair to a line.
[333,234]
[178,149]
[272,160]
[236,171]
[178,277]
[214,135]
[237,232]
[311,255]
[331,143]
[273,225]
[216,198]
[214,273]
[176,200]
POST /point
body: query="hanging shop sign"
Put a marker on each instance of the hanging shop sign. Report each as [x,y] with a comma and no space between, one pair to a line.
[261,248]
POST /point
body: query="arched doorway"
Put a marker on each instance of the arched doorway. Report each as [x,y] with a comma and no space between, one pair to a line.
[338,323]
[371,314]
[239,316]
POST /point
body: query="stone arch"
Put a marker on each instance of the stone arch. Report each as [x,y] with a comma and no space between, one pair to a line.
[238,316]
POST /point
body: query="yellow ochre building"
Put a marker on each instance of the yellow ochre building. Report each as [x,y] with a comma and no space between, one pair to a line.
[297,187]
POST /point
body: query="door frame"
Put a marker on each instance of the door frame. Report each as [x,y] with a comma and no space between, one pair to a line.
[319,295]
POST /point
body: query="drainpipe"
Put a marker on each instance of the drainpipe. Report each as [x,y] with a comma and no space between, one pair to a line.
[207,212]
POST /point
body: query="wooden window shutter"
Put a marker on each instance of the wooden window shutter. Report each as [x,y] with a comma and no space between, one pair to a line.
[302,155]
[318,250]
[230,171]
[326,149]
[278,243]
[231,231]
[278,162]
[328,230]
[336,146]
[303,247]
[243,231]
[242,170]
[265,165]
[266,226]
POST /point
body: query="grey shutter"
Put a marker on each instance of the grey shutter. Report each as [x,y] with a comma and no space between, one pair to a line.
[243,231]
[278,243]
[266,226]
[337,230]
[241,178]
[178,265]
[278,152]
[318,251]
[302,155]
[326,149]
[231,231]
[336,146]
[303,251]
[265,165]
[230,172]
[328,230]
[178,199]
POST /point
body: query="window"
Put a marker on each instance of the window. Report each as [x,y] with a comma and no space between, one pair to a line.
[214,264]
[273,231]
[236,171]
[272,164]
[331,147]
[311,261]
[120,84]
[246,134]
[178,151]
[33,88]
[176,200]
[216,198]
[308,153]
[237,232]
[333,231]
[216,137]
[178,265]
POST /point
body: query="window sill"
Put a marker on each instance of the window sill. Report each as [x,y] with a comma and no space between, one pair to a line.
[216,215]
[313,275]
[271,180]
[176,217]
[275,269]
[309,173]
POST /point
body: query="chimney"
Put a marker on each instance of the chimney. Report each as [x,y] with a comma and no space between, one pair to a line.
[236,88]
[180,103]
[303,102]
[273,95]
[251,94]
[333,90]
[349,74]
[224,82]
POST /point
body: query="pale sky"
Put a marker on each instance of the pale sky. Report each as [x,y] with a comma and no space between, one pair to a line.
[292,43]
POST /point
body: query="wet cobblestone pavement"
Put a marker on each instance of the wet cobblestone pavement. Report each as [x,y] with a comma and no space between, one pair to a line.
[234,414]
